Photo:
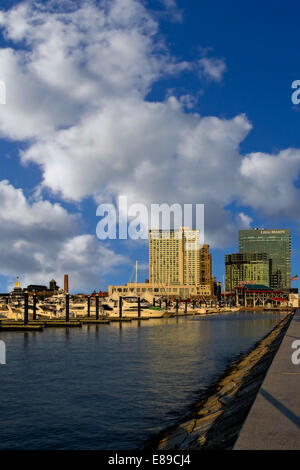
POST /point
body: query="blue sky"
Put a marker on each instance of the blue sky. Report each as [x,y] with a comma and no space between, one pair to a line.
[101,101]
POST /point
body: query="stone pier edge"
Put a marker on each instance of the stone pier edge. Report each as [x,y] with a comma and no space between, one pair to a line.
[215,420]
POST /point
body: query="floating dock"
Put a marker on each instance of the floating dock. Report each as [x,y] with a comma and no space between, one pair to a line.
[63,324]
[21,327]
[94,321]
[123,319]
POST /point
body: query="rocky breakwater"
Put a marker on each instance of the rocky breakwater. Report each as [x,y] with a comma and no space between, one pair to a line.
[215,420]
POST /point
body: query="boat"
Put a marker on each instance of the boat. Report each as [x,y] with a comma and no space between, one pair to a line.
[130,307]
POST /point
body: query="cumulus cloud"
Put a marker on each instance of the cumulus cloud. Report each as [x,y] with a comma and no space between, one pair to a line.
[87,72]
[40,240]
[72,63]
[270,181]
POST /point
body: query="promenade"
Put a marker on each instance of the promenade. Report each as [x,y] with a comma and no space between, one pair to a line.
[273,422]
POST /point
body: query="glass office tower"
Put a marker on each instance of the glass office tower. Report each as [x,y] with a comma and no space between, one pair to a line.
[277,245]
[247,267]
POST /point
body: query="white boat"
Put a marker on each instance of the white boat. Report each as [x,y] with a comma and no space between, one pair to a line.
[130,307]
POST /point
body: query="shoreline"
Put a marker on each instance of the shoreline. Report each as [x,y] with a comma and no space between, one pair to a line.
[215,420]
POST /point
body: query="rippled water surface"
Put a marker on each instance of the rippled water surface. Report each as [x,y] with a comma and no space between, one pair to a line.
[112,386]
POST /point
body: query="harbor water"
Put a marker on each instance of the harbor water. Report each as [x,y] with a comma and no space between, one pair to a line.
[113,386]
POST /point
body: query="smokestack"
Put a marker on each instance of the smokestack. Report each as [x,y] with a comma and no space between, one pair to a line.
[66,283]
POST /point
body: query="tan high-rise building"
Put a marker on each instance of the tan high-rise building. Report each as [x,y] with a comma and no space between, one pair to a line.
[177,258]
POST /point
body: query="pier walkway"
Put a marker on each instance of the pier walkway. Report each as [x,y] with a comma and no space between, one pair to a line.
[273,422]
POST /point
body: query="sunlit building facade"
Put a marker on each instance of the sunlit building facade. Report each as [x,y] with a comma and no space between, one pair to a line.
[243,268]
[177,258]
[276,244]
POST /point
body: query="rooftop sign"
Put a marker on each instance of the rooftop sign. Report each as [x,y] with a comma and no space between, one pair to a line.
[272,232]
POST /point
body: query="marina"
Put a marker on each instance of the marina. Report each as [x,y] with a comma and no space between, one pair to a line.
[149,229]
[116,385]
[59,312]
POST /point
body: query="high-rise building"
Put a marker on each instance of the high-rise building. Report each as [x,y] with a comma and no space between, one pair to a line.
[177,258]
[247,268]
[206,277]
[277,246]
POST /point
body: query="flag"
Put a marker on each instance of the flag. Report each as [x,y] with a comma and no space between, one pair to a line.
[294,278]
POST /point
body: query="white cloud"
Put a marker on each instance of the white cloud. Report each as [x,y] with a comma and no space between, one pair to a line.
[212,68]
[87,74]
[270,182]
[40,240]
[245,220]
[73,63]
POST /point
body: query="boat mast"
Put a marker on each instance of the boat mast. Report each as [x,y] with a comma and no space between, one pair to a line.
[136,278]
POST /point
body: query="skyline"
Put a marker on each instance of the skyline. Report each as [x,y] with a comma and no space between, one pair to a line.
[268,249]
[164,102]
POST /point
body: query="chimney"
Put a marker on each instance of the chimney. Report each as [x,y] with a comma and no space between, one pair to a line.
[66,284]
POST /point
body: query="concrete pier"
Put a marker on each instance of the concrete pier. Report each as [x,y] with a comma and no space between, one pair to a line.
[216,419]
[273,422]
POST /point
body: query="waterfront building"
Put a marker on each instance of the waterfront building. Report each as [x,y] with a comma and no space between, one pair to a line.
[241,268]
[52,285]
[217,289]
[277,245]
[149,290]
[17,291]
[252,295]
[36,288]
[176,258]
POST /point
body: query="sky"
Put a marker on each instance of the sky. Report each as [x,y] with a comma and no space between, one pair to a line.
[161,101]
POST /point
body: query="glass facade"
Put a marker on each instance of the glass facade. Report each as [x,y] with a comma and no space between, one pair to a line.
[247,267]
[277,245]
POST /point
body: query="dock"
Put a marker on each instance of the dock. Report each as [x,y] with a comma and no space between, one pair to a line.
[62,324]
[20,327]
[118,319]
[273,422]
[94,321]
